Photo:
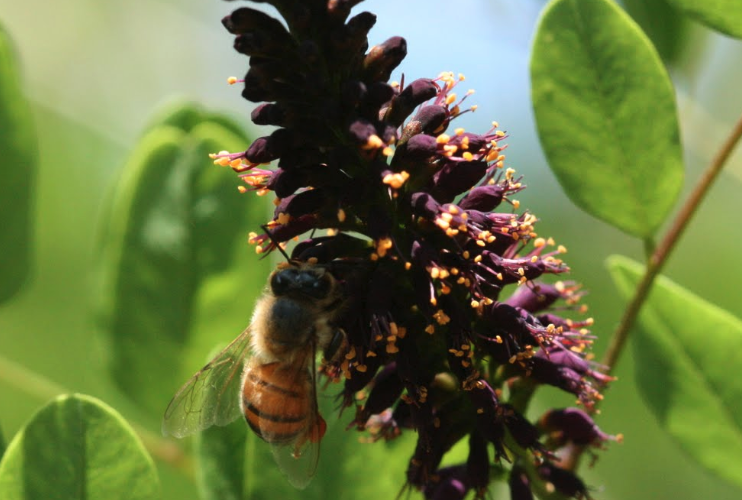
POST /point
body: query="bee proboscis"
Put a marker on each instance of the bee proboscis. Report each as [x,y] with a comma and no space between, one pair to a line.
[268,373]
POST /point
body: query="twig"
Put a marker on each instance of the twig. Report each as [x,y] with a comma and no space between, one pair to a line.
[667,245]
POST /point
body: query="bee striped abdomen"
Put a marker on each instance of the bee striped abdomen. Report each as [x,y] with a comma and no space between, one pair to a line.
[276,402]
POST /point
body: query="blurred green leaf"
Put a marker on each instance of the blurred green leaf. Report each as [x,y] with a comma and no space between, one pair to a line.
[77,448]
[2,444]
[19,162]
[724,16]
[605,113]
[685,352]
[669,36]
[221,461]
[178,274]
[235,464]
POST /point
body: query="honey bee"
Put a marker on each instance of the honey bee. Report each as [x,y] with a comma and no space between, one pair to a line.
[268,373]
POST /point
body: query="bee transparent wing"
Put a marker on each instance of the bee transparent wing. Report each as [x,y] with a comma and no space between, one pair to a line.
[299,470]
[212,395]
[298,456]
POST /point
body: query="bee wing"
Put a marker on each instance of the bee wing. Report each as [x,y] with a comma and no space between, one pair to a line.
[298,469]
[211,396]
[298,457]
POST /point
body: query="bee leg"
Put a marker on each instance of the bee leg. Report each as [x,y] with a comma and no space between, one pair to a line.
[318,430]
[337,348]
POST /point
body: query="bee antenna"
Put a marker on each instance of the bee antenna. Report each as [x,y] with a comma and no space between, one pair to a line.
[264,227]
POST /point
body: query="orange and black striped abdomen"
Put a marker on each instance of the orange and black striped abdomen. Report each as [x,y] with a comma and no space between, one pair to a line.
[277,403]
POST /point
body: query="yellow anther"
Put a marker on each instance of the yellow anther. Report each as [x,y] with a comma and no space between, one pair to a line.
[478,259]
[500,133]
[465,143]
[441,317]
[562,249]
[407,265]
[442,139]
[396,181]
[430,329]
[450,98]
[242,189]
[459,131]
[232,80]
[467,156]
[474,304]
[373,142]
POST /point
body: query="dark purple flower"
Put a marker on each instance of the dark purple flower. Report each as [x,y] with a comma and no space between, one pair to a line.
[406,205]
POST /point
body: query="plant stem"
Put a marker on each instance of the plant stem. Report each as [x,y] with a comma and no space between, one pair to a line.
[657,260]
[40,387]
[667,245]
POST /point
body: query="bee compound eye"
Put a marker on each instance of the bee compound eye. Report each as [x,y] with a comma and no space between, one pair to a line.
[280,282]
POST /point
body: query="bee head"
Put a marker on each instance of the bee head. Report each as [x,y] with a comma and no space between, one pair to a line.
[308,282]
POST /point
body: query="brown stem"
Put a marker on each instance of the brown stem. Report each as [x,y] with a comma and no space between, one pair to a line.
[658,259]
[667,245]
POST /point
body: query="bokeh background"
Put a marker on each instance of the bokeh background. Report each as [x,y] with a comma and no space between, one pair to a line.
[95,72]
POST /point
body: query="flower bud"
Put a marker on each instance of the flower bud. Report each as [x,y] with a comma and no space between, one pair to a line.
[411,97]
[563,480]
[520,485]
[382,59]
[572,424]
[483,198]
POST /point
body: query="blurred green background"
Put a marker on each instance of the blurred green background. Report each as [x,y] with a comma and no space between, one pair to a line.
[96,71]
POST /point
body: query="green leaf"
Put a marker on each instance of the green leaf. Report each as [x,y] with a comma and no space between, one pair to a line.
[685,352]
[178,274]
[74,448]
[18,162]
[605,113]
[234,464]
[670,35]
[2,444]
[724,16]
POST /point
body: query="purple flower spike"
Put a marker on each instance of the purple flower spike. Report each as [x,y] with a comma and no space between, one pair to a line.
[448,304]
